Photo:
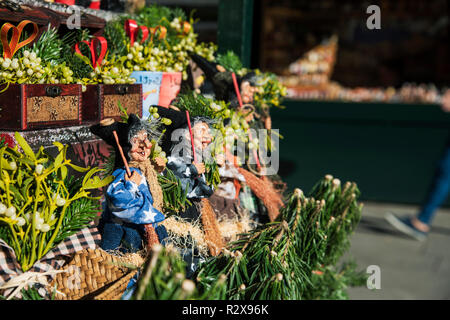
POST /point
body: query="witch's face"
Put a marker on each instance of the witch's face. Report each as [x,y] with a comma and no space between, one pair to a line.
[247,92]
[140,147]
[202,135]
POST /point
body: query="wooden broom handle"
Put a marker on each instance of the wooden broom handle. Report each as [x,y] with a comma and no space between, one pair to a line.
[127,168]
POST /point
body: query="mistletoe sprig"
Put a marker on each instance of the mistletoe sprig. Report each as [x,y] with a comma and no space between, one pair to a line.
[42,63]
[168,54]
[40,204]
[110,71]
[271,92]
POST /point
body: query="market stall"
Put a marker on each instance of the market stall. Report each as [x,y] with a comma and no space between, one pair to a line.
[101,199]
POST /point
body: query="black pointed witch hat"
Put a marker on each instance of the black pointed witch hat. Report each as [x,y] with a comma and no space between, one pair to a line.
[179,120]
[105,129]
[222,81]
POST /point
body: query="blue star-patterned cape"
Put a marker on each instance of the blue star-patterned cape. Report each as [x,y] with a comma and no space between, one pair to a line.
[195,184]
[128,202]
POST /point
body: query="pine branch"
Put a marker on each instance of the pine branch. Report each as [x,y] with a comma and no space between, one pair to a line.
[114,33]
[175,199]
[79,67]
[164,278]
[230,61]
[278,260]
[49,47]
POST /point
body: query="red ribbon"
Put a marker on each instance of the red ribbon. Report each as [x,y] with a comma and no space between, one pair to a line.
[236,89]
[132,29]
[68,2]
[96,59]
[11,47]
[95,5]
[162,32]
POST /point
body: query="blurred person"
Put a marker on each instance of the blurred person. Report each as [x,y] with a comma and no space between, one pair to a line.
[418,226]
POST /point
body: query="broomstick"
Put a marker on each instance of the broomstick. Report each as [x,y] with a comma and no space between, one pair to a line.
[261,187]
[152,237]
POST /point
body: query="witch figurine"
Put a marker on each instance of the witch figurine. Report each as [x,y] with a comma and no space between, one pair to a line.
[222,82]
[133,201]
[181,159]
[186,143]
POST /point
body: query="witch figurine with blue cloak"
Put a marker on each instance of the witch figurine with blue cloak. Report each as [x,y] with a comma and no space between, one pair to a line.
[133,201]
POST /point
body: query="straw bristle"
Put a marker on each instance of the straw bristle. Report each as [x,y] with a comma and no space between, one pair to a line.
[211,228]
[265,191]
[231,228]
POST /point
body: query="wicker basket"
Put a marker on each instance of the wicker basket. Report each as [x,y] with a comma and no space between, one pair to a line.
[96,274]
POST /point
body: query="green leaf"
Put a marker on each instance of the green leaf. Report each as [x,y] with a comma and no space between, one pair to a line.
[5,164]
[25,146]
[26,186]
[77,168]
[85,59]
[26,161]
[63,172]
[96,182]
[19,178]
[124,115]
[59,159]
[16,193]
[59,145]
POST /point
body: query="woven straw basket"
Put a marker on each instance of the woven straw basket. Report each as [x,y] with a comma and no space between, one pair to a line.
[96,274]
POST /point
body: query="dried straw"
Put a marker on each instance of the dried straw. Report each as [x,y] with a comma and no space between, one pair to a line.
[180,232]
[210,226]
[265,191]
[231,228]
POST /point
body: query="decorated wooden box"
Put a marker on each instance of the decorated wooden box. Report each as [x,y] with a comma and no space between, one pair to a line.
[102,101]
[33,106]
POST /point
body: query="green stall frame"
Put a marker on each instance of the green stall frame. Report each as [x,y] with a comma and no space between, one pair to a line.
[390,150]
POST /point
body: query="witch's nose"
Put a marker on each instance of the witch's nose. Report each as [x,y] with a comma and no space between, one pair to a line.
[147,144]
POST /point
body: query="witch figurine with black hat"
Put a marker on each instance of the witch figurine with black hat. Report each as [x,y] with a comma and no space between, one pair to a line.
[186,141]
[222,82]
[133,201]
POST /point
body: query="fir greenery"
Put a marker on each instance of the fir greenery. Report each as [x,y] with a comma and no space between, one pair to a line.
[283,259]
[49,47]
[174,198]
[78,66]
[114,32]
[197,105]
[154,14]
[164,278]
[230,61]
[294,257]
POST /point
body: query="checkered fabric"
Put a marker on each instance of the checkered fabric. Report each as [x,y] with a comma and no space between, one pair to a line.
[54,259]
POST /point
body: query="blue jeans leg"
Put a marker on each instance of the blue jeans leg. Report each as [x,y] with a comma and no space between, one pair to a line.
[132,240]
[439,189]
[112,234]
